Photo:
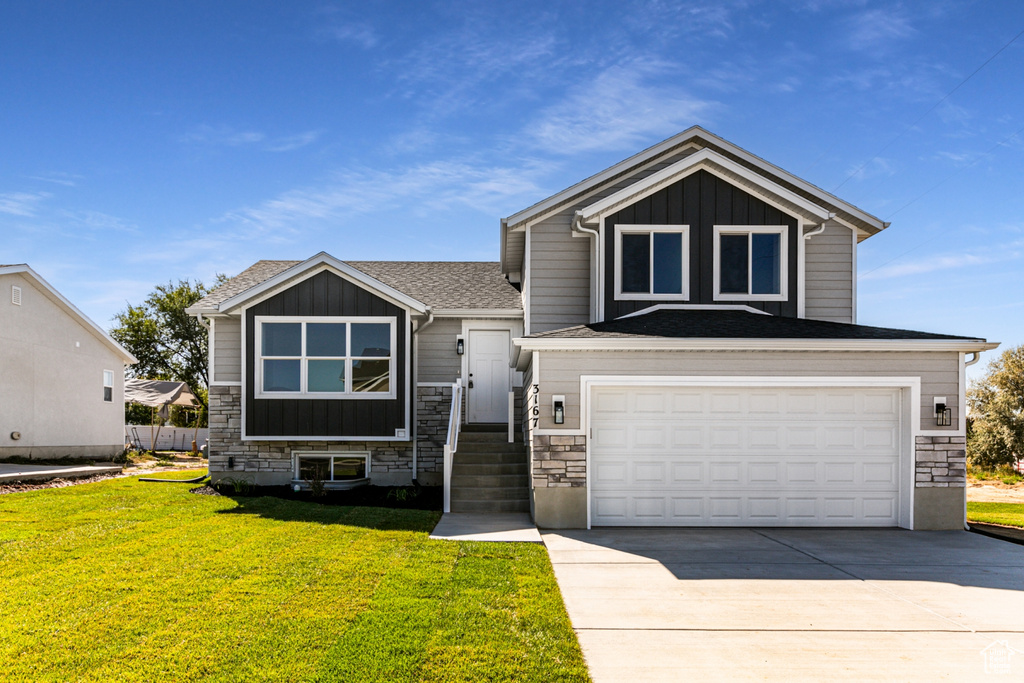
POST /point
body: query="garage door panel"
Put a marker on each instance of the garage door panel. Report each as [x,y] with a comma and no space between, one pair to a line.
[767,456]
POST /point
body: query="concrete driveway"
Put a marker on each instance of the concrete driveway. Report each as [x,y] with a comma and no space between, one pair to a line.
[792,604]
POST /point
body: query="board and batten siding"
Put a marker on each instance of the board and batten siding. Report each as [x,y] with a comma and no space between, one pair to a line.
[560,264]
[939,372]
[438,361]
[828,274]
[227,349]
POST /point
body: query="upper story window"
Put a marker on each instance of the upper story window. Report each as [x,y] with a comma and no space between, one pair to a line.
[325,357]
[750,263]
[108,386]
[652,261]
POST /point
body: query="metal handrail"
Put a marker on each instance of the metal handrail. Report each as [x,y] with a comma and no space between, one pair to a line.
[451,444]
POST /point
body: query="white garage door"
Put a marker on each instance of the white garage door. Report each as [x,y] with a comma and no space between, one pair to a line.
[726,456]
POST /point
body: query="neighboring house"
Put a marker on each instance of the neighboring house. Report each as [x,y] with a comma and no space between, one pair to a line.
[61,375]
[681,328]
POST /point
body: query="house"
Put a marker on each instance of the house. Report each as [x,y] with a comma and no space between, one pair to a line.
[676,337]
[61,375]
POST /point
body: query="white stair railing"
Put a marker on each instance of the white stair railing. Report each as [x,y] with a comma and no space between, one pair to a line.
[451,444]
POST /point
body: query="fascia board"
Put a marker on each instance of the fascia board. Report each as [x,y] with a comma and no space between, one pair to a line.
[478,313]
[690,164]
[322,259]
[69,308]
[731,344]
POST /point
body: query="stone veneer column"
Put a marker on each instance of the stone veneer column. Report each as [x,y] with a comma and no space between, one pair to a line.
[559,461]
[941,461]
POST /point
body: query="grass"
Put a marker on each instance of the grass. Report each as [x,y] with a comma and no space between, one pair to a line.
[121,580]
[1007,475]
[1007,514]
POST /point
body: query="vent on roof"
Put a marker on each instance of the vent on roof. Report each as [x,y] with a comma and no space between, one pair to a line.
[15,295]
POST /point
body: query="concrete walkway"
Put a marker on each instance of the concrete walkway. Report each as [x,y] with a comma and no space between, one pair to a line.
[501,527]
[10,473]
[792,604]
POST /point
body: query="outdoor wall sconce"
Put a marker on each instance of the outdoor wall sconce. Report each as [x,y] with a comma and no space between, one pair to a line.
[943,413]
[558,409]
[460,345]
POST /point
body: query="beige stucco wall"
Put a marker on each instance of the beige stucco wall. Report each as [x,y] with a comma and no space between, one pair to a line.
[51,380]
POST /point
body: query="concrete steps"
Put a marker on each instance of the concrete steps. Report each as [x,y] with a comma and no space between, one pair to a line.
[488,473]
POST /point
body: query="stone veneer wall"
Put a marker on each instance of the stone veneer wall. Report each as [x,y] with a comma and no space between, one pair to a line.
[941,461]
[270,462]
[559,461]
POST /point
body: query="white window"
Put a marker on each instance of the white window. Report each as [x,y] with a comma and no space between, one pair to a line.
[652,262]
[108,386]
[750,262]
[330,466]
[325,357]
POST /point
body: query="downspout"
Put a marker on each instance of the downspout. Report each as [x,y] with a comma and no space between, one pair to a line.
[820,229]
[415,388]
[977,357]
[577,226]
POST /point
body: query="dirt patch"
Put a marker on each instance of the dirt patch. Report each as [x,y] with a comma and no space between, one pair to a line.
[989,491]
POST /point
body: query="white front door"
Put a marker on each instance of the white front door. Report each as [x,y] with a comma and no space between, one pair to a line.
[487,395]
[745,456]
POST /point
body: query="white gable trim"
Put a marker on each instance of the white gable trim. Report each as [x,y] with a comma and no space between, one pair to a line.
[693,307]
[305,270]
[705,159]
[56,297]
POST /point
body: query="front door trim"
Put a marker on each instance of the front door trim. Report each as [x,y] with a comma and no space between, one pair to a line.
[513,327]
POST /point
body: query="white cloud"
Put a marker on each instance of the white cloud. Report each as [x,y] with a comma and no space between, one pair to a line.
[287,144]
[21,203]
[358,34]
[875,29]
[996,254]
[877,167]
[58,178]
[622,108]
[222,135]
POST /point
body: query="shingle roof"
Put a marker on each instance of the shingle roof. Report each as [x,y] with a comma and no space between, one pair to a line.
[438,284]
[729,324]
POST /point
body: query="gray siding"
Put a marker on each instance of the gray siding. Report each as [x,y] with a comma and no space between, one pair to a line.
[227,350]
[560,372]
[828,264]
[438,361]
[559,284]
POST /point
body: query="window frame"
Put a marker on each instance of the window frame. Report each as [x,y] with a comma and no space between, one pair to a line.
[633,229]
[108,386]
[749,230]
[329,455]
[303,393]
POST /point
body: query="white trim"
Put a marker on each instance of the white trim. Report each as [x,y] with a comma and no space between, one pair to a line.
[962,394]
[853,270]
[527,284]
[908,439]
[348,358]
[705,159]
[733,344]
[56,297]
[226,383]
[750,231]
[650,230]
[307,269]
[801,268]
[602,312]
[478,313]
[483,325]
[433,384]
[211,351]
[366,455]
[694,307]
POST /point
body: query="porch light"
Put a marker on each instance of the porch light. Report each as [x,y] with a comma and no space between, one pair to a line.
[460,345]
[558,409]
[943,415]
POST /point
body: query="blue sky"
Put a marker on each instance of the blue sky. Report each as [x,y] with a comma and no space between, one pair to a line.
[143,142]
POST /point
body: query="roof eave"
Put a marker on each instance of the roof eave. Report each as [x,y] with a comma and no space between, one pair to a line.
[746,344]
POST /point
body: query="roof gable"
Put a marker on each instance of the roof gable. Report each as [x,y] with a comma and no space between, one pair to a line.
[57,298]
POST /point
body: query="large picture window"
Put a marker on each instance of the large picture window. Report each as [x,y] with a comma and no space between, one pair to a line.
[325,357]
[652,262]
[750,263]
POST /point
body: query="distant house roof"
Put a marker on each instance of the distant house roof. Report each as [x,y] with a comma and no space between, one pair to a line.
[442,285]
[59,299]
[732,324]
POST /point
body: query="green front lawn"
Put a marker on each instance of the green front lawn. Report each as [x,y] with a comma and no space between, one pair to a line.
[1007,514]
[122,580]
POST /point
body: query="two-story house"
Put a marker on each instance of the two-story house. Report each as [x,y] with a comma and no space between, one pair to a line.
[674,339]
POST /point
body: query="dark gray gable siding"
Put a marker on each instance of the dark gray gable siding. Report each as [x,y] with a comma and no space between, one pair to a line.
[325,294]
[700,200]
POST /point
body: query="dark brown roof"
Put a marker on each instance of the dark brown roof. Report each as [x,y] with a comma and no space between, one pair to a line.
[729,324]
[438,284]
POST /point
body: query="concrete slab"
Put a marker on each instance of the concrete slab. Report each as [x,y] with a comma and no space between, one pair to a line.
[495,527]
[10,472]
[791,604]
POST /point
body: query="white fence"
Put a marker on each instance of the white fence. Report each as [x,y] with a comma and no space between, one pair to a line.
[169,439]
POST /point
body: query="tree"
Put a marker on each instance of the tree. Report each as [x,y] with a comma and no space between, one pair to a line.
[168,342]
[995,435]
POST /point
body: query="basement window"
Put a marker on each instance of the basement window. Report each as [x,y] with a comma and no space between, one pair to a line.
[331,467]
